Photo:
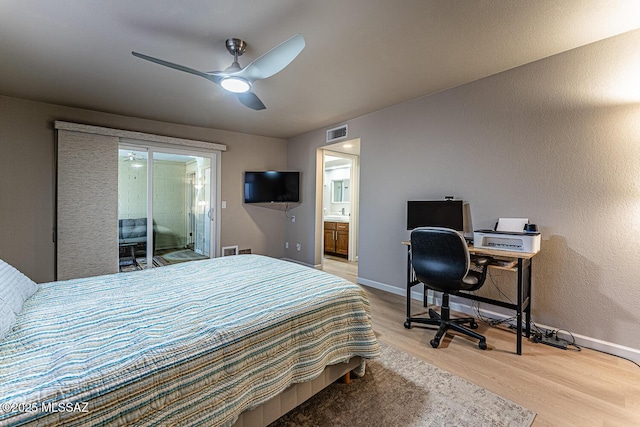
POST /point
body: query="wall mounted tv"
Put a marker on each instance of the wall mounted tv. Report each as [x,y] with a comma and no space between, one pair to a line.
[435,213]
[272,187]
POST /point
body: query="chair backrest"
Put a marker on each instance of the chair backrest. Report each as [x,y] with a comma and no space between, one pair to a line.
[440,257]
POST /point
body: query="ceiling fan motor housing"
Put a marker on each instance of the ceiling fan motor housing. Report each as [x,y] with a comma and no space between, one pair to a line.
[236,47]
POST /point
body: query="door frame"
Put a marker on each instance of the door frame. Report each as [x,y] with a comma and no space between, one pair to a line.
[354,196]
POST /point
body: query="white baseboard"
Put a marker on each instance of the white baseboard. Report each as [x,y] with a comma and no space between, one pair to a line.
[387,288]
[317,266]
[466,308]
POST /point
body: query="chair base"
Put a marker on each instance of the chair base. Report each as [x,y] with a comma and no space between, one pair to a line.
[445,323]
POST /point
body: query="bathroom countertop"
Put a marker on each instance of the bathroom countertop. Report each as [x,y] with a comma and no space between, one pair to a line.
[337,218]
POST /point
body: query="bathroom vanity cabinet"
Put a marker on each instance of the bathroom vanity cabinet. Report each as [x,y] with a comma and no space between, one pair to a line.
[336,238]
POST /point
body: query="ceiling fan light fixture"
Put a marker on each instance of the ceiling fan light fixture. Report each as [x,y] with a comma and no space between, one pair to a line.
[238,80]
[235,85]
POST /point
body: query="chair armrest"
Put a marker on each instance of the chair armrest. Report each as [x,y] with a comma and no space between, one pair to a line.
[483,261]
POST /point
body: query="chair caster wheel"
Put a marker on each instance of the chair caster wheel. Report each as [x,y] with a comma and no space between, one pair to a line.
[482,345]
[407,324]
[434,343]
[473,325]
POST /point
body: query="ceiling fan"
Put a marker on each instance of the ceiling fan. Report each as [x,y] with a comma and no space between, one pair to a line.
[240,80]
[136,161]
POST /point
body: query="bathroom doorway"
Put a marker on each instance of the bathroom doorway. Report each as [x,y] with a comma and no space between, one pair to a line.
[340,174]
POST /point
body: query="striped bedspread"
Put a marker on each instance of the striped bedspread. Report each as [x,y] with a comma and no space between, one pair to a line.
[189,344]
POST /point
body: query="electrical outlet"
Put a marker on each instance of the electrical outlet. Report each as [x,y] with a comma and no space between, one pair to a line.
[293,218]
[286,245]
[298,247]
[224,204]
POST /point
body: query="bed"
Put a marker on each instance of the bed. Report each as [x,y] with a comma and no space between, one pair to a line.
[199,343]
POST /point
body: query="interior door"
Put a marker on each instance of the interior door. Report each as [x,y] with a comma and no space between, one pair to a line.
[203,208]
[208,220]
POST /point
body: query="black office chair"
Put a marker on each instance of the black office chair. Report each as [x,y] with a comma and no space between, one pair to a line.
[440,260]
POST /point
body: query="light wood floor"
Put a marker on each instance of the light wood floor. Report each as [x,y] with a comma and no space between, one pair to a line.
[563,387]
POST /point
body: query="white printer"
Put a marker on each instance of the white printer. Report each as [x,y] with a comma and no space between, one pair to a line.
[508,236]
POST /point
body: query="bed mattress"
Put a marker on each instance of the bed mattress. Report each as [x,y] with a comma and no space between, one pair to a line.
[190,344]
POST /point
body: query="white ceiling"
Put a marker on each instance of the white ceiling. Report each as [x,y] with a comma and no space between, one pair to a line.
[360,55]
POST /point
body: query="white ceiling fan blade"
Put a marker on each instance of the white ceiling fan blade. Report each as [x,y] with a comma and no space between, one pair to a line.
[213,76]
[274,60]
[251,100]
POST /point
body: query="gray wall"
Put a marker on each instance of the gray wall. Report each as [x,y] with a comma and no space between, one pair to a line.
[557,141]
[27,181]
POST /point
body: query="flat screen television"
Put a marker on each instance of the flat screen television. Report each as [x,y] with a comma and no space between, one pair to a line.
[435,213]
[271,187]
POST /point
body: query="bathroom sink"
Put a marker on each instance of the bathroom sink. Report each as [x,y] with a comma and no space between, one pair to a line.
[337,218]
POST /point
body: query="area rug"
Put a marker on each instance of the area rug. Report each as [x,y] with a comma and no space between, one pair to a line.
[401,390]
[182,255]
[169,258]
[141,263]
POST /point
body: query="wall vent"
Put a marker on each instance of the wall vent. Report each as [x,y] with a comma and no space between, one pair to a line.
[229,250]
[337,133]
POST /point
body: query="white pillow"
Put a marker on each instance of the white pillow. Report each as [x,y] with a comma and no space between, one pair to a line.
[15,289]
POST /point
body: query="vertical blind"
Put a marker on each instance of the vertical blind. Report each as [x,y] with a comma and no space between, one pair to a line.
[87,204]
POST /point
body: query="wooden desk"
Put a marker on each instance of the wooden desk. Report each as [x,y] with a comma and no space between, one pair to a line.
[522,262]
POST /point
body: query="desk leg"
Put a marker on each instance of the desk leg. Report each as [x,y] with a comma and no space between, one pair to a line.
[407,324]
[528,299]
[519,308]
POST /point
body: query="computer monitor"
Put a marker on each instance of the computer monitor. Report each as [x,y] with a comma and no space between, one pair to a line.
[435,213]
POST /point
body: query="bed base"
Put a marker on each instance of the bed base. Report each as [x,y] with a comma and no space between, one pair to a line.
[295,395]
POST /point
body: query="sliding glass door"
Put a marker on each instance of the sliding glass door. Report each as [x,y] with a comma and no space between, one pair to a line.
[168,198]
[132,208]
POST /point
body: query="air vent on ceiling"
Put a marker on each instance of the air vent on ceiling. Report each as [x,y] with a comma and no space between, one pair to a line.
[337,133]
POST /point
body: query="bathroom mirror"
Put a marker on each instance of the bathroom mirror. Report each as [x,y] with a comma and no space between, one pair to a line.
[340,191]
